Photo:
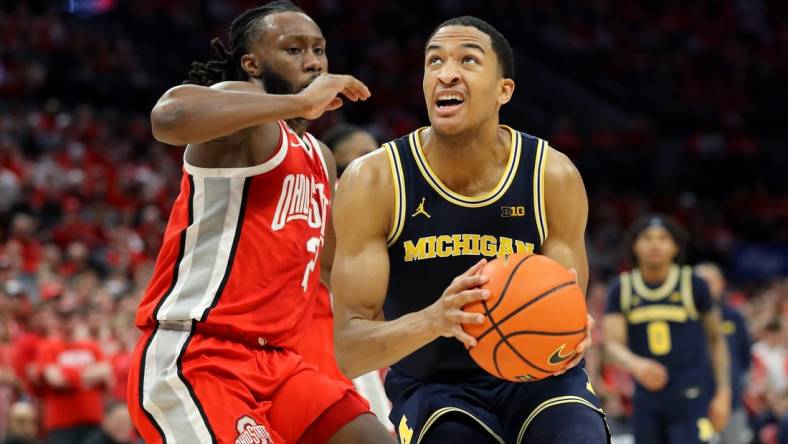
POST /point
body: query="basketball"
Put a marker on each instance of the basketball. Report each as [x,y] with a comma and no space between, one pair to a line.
[534,318]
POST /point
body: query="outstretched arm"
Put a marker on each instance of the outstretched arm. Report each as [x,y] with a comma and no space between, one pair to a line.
[192,114]
[359,279]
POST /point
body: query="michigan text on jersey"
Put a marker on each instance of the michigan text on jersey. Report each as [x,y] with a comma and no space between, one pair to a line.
[446,245]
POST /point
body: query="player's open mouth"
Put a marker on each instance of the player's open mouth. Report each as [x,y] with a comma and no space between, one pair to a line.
[448,103]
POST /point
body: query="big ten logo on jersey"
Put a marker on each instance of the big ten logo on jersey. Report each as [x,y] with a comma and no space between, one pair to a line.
[515,211]
[303,199]
[250,432]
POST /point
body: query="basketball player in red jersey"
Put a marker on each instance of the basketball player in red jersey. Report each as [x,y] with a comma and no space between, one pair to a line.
[235,279]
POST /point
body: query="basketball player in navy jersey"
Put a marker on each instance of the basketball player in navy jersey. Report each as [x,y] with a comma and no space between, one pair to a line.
[417,220]
[734,328]
[661,326]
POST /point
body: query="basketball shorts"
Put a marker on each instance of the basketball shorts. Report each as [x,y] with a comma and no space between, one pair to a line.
[505,412]
[671,420]
[185,387]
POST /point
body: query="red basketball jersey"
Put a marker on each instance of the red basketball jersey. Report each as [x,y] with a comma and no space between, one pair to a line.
[242,245]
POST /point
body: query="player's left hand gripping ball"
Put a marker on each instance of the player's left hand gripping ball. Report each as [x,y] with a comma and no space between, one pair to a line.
[581,348]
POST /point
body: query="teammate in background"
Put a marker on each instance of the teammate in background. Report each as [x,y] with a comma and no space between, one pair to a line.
[413,220]
[735,330]
[348,143]
[235,279]
[661,326]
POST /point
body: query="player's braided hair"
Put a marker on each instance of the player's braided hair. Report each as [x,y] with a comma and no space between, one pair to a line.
[243,32]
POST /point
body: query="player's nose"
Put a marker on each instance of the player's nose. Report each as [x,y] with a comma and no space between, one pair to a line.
[449,74]
[312,63]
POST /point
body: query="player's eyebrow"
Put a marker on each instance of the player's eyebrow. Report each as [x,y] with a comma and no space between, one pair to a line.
[474,46]
[435,46]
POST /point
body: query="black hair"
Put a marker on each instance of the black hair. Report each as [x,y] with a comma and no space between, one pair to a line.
[338,134]
[243,32]
[675,230]
[501,46]
[774,325]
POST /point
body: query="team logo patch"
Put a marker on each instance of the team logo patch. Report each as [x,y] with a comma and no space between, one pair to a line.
[250,432]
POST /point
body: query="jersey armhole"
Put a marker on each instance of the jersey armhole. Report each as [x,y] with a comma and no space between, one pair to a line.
[626,293]
[686,293]
[318,149]
[398,180]
[272,162]
[540,217]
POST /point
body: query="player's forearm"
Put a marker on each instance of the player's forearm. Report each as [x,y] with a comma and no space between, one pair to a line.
[620,355]
[193,114]
[720,361]
[363,345]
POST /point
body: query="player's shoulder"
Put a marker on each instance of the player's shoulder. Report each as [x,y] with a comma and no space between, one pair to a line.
[697,281]
[559,166]
[371,169]
[237,85]
[369,175]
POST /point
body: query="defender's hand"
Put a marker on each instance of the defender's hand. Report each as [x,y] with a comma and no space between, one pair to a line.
[650,374]
[720,409]
[580,350]
[446,314]
[322,94]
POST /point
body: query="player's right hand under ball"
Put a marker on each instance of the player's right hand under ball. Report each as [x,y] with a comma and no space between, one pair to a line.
[446,314]
[650,374]
[322,95]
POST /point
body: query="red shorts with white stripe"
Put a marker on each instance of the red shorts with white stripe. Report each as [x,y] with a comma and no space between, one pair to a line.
[186,387]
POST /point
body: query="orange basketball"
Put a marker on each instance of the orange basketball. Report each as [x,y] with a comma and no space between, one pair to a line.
[534,318]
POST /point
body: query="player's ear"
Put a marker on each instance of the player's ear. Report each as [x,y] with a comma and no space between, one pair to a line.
[506,90]
[250,65]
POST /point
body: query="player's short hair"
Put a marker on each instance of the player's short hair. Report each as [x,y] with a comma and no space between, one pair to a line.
[339,134]
[243,32]
[675,230]
[501,46]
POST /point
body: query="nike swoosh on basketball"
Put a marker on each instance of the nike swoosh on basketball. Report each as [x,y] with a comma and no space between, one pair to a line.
[557,358]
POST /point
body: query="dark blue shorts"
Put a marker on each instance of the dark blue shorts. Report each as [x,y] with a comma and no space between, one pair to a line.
[560,409]
[671,420]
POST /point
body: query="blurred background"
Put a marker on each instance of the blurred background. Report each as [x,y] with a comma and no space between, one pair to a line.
[671,106]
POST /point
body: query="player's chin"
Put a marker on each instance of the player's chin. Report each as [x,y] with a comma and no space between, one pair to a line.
[448,126]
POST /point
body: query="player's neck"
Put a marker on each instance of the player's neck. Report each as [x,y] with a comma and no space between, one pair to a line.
[298,126]
[655,274]
[451,155]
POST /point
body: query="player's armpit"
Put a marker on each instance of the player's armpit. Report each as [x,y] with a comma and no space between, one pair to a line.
[329,245]
[566,206]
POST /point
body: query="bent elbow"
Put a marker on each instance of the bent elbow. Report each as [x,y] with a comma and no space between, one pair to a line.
[165,119]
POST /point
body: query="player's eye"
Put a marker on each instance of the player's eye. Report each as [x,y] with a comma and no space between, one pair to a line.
[319,51]
[470,59]
[293,50]
[434,60]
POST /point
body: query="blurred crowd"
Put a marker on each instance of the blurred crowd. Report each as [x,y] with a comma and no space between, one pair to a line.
[85,191]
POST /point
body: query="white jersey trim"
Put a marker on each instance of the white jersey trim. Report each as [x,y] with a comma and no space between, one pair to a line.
[254,170]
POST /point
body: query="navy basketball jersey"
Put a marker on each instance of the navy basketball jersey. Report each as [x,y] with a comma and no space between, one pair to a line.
[437,234]
[663,323]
